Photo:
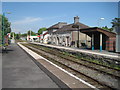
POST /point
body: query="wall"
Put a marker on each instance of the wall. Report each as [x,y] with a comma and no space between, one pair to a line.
[110,44]
[31,38]
[82,39]
[117,43]
[69,38]
[117,31]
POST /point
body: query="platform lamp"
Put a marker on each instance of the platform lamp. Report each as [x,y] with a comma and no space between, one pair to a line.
[3,28]
[77,26]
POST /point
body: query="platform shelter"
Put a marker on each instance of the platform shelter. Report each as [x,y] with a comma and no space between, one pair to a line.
[100,39]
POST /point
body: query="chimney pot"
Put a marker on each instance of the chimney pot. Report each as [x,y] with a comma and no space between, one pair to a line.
[76,19]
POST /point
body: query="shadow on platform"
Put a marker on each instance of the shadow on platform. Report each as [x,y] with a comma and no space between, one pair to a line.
[6,51]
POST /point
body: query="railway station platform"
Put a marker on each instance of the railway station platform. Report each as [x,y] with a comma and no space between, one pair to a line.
[72,81]
[20,71]
[95,52]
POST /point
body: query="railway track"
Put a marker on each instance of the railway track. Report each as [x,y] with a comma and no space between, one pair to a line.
[101,68]
[80,67]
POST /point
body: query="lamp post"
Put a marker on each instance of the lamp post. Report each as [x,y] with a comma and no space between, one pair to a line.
[30,35]
[99,21]
[100,34]
[77,26]
[3,28]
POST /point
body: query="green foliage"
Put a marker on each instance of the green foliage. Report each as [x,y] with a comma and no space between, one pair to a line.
[41,30]
[106,28]
[5,24]
[17,36]
[115,22]
[31,32]
[11,35]
[0,37]
[0,30]
[0,22]
[24,35]
[4,28]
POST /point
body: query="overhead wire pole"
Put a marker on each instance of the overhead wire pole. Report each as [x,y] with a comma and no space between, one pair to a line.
[27,36]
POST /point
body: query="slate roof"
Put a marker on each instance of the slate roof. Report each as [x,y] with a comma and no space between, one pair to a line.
[96,29]
[83,28]
[69,27]
[56,26]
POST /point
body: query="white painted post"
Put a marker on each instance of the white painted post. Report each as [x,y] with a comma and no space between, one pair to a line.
[13,38]
[92,41]
[30,35]
[66,41]
[100,42]
[86,40]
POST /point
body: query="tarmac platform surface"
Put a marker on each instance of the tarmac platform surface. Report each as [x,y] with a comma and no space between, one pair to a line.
[19,71]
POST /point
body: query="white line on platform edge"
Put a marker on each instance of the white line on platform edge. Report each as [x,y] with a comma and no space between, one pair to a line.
[36,56]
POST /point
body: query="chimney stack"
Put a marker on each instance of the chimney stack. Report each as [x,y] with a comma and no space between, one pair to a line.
[76,19]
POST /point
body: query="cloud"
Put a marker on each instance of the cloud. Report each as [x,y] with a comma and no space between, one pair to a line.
[25,24]
[27,20]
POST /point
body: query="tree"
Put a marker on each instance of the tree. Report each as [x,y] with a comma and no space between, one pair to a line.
[41,30]
[11,34]
[4,28]
[0,22]
[106,28]
[24,35]
[0,30]
[115,22]
[5,24]
[30,32]
[17,36]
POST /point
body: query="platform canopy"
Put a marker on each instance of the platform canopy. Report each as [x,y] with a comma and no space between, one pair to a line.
[100,38]
[90,31]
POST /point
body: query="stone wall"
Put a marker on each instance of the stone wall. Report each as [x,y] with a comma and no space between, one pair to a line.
[83,39]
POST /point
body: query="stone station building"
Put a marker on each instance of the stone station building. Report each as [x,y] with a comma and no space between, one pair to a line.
[66,35]
[81,35]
